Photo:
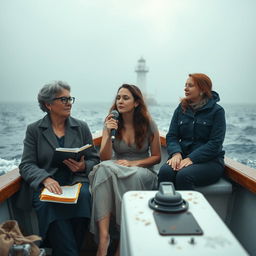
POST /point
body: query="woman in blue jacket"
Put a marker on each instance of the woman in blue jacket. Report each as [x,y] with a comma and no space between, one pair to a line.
[195,137]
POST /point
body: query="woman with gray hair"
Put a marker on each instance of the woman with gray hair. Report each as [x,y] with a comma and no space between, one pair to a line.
[63,226]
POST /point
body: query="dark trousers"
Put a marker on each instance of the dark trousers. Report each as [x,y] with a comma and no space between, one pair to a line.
[66,236]
[187,178]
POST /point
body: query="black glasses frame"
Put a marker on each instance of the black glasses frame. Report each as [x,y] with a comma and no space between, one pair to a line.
[65,100]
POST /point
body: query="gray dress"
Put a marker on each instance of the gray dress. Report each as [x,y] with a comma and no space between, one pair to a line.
[109,181]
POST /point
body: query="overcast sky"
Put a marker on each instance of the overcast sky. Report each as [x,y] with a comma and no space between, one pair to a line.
[94,45]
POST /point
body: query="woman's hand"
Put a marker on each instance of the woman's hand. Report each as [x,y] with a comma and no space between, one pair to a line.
[52,185]
[175,161]
[185,162]
[126,163]
[75,166]
[110,123]
[106,144]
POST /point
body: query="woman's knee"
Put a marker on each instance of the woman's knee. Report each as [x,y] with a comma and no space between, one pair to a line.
[184,180]
[182,177]
[165,173]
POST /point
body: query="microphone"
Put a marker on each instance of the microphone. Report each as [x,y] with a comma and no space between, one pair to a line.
[115,116]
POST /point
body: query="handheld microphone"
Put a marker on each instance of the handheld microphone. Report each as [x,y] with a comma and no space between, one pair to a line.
[113,131]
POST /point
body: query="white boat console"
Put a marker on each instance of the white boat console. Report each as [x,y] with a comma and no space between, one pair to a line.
[140,235]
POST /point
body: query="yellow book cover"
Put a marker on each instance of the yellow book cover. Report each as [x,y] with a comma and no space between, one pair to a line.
[69,194]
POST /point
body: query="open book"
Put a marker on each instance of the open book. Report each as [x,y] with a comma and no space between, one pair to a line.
[69,194]
[60,154]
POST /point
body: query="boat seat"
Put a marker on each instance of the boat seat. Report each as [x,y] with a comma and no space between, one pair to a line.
[219,196]
[221,187]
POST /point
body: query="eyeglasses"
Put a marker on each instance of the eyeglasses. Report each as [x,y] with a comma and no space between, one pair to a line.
[66,100]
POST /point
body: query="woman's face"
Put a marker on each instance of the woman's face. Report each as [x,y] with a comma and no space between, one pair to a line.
[58,107]
[192,92]
[125,102]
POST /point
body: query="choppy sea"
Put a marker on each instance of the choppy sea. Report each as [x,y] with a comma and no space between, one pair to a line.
[239,144]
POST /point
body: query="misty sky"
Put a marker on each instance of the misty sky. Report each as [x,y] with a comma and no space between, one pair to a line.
[94,45]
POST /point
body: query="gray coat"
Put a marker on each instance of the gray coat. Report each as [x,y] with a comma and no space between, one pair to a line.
[39,145]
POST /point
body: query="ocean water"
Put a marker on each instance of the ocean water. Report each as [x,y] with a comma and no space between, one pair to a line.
[239,144]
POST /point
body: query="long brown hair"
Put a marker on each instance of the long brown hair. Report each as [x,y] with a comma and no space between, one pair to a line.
[204,83]
[141,117]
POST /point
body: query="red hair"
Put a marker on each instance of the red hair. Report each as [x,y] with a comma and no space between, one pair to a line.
[141,117]
[204,83]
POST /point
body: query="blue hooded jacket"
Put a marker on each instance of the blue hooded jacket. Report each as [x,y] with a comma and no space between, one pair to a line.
[198,135]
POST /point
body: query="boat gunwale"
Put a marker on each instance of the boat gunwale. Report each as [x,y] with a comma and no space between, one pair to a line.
[239,173]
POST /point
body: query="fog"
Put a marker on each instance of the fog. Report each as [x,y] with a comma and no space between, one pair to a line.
[94,45]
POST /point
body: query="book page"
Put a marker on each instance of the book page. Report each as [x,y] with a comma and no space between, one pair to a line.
[74,149]
[69,194]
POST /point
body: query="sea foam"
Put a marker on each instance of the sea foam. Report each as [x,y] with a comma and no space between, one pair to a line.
[8,165]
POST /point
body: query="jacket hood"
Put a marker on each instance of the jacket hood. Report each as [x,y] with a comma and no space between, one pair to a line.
[212,101]
[215,96]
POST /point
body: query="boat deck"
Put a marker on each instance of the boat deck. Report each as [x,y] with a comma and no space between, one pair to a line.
[241,203]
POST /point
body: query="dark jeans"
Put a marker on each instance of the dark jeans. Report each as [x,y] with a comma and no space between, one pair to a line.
[66,237]
[187,178]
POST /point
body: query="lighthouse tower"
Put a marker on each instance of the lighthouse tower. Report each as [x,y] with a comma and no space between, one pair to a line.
[141,71]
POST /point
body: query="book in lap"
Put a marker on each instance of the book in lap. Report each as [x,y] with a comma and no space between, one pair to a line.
[60,154]
[69,195]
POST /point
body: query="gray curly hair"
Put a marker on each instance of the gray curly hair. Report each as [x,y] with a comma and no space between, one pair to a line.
[49,92]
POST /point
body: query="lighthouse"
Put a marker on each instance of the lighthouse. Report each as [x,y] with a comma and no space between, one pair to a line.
[141,71]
